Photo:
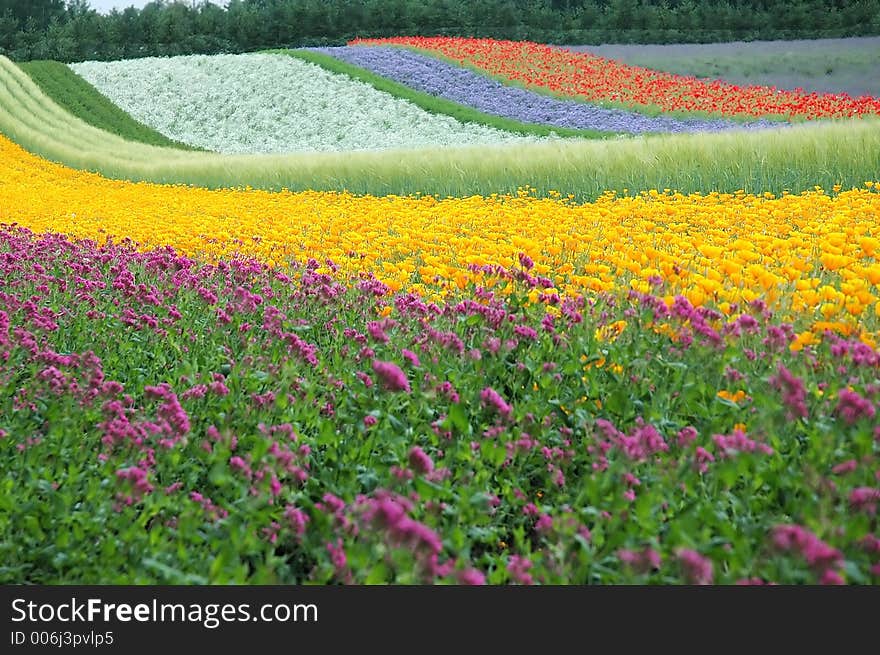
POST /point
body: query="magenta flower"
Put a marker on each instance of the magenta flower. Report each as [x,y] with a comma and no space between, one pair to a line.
[865,499]
[518,568]
[794,394]
[686,436]
[544,523]
[337,556]
[388,512]
[738,442]
[851,406]
[391,377]
[419,461]
[702,459]
[640,561]
[845,467]
[376,330]
[112,388]
[526,332]
[446,389]
[830,577]
[197,391]
[411,357]
[471,577]
[138,478]
[631,480]
[238,464]
[175,422]
[696,568]
[870,543]
[297,519]
[650,439]
[274,486]
[818,555]
[491,398]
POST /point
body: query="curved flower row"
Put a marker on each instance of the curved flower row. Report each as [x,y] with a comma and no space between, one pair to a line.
[268,104]
[597,79]
[467,87]
[813,254]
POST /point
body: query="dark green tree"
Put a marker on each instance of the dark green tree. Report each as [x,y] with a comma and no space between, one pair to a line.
[74,31]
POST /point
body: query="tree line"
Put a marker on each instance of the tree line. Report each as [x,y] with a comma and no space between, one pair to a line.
[74,31]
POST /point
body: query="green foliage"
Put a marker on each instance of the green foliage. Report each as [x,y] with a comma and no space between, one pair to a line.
[33,14]
[38,30]
[82,100]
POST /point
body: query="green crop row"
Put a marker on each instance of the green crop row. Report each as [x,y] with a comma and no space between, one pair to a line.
[796,158]
[84,101]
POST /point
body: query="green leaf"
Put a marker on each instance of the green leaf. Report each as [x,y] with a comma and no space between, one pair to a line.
[457,418]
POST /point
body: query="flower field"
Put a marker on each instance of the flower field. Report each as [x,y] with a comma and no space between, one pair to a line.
[267,103]
[793,159]
[470,88]
[596,79]
[255,384]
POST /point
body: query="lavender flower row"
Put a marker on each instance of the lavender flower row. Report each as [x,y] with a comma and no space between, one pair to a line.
[441,79]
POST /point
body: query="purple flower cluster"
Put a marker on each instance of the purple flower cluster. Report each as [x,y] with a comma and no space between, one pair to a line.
[464,86]
[185,445]
[820,557]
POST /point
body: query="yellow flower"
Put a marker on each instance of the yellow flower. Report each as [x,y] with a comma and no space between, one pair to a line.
[810,255]
[609,332]
[803,339]
[733,397]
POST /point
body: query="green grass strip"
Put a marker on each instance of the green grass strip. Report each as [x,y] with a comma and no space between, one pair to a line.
[84,101]
[794,159]
[436,105]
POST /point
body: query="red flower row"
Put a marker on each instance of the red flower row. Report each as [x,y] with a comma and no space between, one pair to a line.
[597,79]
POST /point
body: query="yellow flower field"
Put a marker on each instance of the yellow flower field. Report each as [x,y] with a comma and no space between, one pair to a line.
[815,253]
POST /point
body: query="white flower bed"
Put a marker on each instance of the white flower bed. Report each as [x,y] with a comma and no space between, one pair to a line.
[270,104]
